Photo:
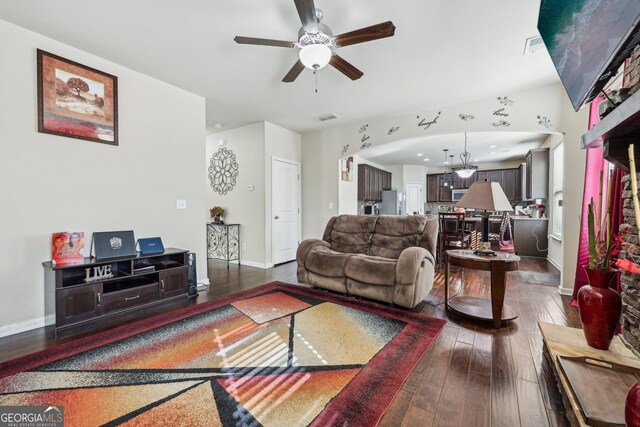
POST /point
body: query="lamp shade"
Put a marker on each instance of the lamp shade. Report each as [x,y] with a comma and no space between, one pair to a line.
[315,56]
[486,196]
[465,173]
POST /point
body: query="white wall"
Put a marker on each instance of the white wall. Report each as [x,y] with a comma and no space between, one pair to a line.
[574,124]
[243,206]
[255,146]
[319,182]
[321,149]
[50,183]
[283,144]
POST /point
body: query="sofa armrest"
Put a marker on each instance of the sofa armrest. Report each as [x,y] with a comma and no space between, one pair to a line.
[409,263]
[306,246]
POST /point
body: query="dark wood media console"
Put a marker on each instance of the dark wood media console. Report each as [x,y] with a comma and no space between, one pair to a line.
[137,282]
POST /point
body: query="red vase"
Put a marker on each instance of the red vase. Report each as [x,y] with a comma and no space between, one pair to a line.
[600,308]
[632,406]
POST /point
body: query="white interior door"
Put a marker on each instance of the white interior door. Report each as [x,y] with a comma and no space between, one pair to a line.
[285,193]
[414,197]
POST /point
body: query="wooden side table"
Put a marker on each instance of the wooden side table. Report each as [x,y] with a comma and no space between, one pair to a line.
[479,308]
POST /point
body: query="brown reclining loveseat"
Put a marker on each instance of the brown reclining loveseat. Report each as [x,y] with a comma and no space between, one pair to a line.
[386,258]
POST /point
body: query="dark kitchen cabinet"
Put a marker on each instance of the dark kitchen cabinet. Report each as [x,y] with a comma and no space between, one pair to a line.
[537,174]
[444,192]
[510,183]
[484,176]
[372,182]
[496,176]
[433,188]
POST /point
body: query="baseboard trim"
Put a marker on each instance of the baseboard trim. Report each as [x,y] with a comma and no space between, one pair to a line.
[255,264]
[565,291]
[27,325]
[555,264]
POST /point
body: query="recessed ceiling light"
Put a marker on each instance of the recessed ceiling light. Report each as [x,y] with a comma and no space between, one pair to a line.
[476,160]
[446,163]
[217,126]
[492,146]
[426,160]
[493,152]
[419,154]
[506,151]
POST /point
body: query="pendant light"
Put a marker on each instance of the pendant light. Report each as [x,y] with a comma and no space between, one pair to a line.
[446,178]
[466,171]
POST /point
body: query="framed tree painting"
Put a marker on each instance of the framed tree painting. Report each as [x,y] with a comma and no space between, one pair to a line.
[76,101]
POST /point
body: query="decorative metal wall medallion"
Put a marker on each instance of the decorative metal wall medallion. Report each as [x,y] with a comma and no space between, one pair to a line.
[504,100]
[223,171]
[393,130]
[544,121]
[344,150]
[466,117]
[501,124]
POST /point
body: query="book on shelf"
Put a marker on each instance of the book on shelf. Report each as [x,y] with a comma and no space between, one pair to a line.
[67,247]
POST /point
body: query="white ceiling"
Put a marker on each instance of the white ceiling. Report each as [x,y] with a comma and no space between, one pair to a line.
[443,52]
[484,147]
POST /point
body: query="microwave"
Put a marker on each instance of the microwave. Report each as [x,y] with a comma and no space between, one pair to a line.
[456,195]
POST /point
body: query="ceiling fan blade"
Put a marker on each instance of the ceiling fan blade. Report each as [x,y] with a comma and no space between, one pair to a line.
[374,32]
[307,13]
[345,68]
[263,42]
[294,72]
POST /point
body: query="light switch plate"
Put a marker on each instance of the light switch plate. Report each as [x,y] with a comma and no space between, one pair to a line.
[181,204]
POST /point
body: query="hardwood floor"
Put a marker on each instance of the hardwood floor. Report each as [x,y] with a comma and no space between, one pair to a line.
[473,375]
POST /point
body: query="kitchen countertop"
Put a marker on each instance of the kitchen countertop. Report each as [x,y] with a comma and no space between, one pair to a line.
[522,218]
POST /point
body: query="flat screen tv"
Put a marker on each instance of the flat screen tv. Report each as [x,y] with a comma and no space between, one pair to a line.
[588,40]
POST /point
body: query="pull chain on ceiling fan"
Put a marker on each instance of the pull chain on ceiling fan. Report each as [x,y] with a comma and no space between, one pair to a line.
[317,44]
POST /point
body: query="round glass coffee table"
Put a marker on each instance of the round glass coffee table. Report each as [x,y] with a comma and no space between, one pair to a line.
[479,308]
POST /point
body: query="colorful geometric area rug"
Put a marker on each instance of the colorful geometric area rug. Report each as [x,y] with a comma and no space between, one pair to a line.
[275,355]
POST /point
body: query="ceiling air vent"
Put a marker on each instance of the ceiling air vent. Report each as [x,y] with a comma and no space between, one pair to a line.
[533,44]
[325,117]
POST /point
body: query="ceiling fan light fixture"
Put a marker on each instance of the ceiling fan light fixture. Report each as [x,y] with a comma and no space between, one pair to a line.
[315,56]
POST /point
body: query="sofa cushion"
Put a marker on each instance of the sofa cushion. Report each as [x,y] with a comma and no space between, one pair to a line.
[326,262]
[352,233]
[371,269]
[393,234]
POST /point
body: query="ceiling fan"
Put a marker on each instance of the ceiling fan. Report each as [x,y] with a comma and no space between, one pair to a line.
[317,43]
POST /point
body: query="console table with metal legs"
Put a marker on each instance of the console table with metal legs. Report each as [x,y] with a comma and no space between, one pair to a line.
[479,308]
[223,242]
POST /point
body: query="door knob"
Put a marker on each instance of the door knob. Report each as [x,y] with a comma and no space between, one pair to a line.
[276,217]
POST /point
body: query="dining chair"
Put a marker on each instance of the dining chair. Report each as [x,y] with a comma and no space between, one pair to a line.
[454,233]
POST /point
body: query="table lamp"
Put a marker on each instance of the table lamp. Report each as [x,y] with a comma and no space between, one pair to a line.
[487,197]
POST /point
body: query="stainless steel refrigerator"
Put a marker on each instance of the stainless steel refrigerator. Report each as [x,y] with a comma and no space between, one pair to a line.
[391,203]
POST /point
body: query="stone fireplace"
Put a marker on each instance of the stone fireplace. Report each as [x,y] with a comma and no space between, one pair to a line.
[630,318]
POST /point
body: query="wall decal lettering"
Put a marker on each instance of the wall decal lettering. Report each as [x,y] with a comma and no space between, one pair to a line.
[504,100]
[393,130]
[466,117]
[363,128]
[501,124]
[344,150]
[500,112]
[544,121]
[365,141]
[424,124]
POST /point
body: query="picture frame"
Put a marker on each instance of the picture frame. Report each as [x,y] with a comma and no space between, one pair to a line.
[75,100]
